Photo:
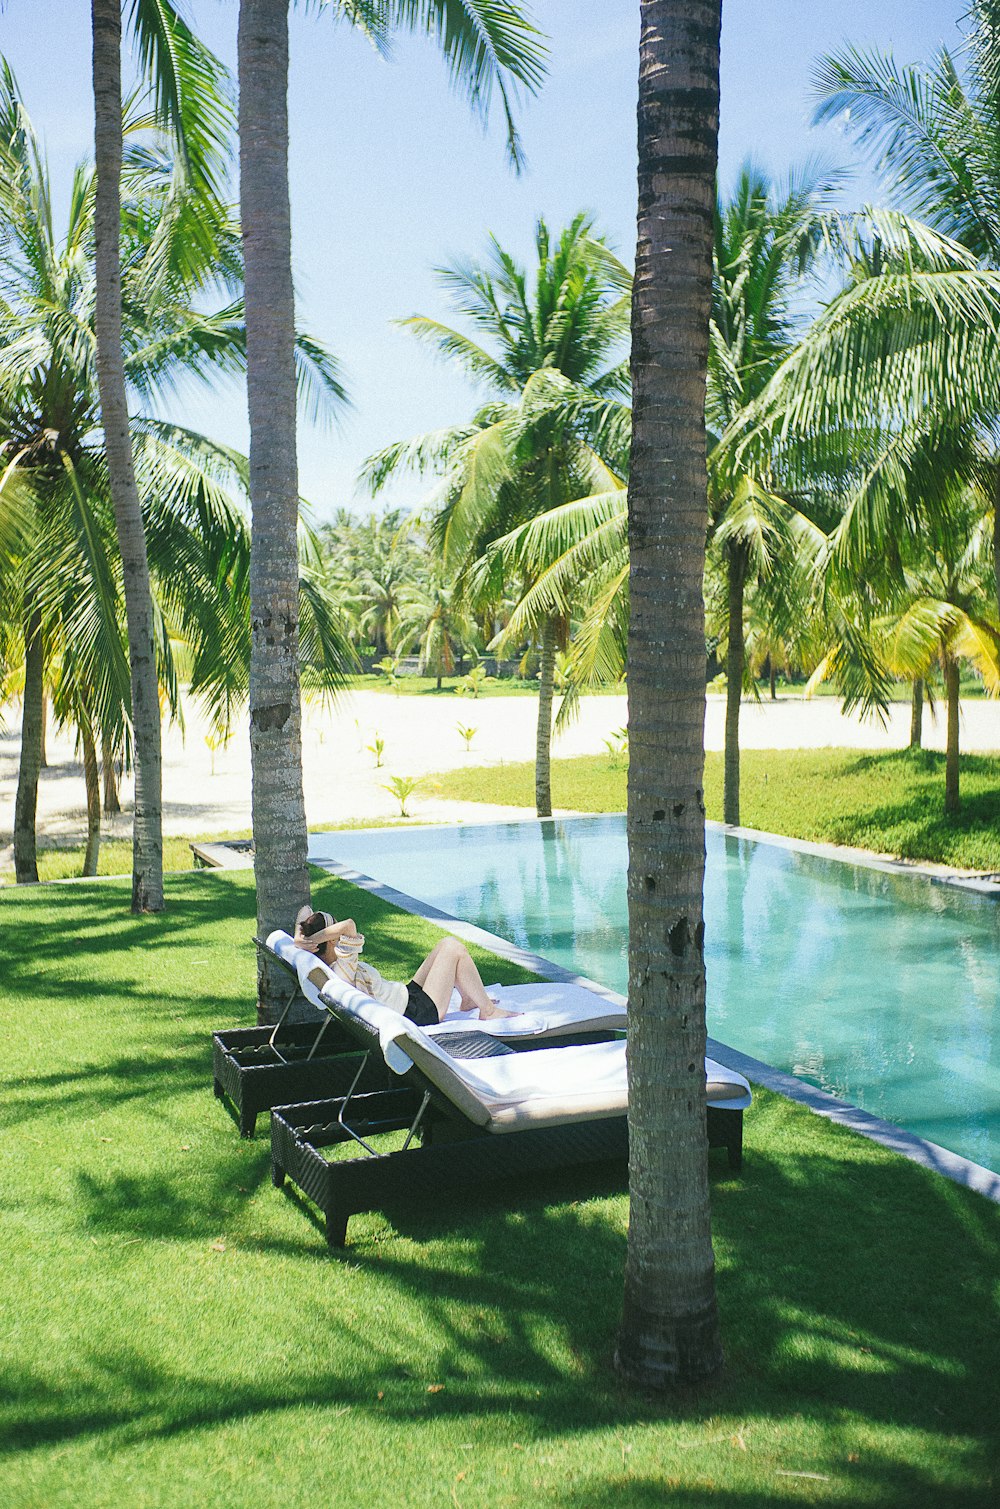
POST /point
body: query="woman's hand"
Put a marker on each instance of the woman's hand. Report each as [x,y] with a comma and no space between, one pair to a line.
[346,926]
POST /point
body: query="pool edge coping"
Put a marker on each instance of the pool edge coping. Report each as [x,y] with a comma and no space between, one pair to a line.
[929,1155]
[844,854]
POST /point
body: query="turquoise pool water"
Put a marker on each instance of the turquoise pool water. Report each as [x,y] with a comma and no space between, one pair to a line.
[882,989]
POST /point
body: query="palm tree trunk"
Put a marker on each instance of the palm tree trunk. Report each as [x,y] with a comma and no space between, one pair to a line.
[996,534]
[670,1330]
[26,801]
[112,804]
[279,816]
[772,676]
[952,803]
[917,713]
[735,654]
[543,732]
[43,762]
[91,775]
[147,831]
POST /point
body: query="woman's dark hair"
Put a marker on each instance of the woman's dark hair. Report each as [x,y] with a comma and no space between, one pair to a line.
[315,923]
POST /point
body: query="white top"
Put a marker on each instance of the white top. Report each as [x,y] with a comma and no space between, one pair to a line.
[366,978]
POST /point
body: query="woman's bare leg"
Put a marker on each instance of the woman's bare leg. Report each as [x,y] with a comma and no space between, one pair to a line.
[449,964]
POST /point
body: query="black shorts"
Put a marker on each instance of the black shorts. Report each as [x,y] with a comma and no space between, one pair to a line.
[421,1009]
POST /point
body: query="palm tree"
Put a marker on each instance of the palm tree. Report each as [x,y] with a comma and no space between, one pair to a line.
[669,1331]
[517,460]
[434,619]
[486,46]
[765,240]
[384,568]
[892,399]
[933,608]
[187,80]
[60,570]
[933,134]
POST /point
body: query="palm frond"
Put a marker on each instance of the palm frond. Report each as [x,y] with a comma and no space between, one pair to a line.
[192,89]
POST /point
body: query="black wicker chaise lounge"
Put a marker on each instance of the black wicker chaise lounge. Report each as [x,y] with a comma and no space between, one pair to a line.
[255,1068]
[491,1113]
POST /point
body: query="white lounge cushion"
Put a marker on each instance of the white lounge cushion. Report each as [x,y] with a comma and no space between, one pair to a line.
[545,1009]
[546,1087]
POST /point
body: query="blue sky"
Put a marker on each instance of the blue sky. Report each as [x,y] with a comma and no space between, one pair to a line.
[391,176]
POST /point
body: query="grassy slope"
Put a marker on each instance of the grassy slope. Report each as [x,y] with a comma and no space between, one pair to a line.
[890,802]
[175,1333]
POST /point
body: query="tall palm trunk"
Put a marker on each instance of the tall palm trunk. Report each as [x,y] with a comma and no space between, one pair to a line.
[26,801]
[735,656]
[917,713]
[112,803]
[996,533]
[147,831]
[669,1331]
[43,760]
[952,802]
[92,777]
[543,732]
[279,817]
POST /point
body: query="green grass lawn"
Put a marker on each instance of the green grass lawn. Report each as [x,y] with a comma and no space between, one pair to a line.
[493,686]
[970,685]
[175,1332]
[516,686]
[887,801]
[426,686]
[65,861]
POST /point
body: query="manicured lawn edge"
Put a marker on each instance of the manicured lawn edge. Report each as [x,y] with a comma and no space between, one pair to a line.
[888,802]
[177,1333]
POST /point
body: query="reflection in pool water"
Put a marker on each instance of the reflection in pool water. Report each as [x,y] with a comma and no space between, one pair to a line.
[883,989]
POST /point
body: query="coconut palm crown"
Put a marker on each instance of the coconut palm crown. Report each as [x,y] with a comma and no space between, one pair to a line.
[765,241]
[560,330]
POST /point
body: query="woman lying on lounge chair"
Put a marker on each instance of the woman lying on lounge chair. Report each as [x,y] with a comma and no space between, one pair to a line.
[425,1000]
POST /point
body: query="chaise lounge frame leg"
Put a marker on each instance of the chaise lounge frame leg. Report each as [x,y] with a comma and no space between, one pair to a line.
[734,1144]
[277,1175]
[725,1129]
[336,1228]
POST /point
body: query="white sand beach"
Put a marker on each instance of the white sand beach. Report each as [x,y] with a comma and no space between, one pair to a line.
[208,791]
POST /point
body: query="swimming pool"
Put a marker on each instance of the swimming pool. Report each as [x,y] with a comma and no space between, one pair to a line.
[883,989]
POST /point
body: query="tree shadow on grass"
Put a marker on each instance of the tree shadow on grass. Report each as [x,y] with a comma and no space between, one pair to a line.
[916,831]
[165,1207]
[812,1294]
[96,1087]
[861,1282]
[856,1300]
[92,918]
[915,824]
[882,1481]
